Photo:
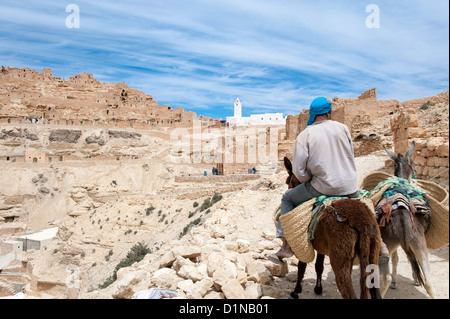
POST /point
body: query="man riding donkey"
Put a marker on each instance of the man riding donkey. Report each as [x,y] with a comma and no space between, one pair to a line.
[324,163]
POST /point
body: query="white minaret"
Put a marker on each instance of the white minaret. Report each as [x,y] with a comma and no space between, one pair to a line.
[237,109]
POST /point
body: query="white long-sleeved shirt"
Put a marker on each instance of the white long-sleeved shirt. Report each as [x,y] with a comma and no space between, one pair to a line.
[323,155]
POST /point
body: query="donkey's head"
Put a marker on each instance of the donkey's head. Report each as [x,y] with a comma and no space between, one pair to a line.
[291,180]
[403,163]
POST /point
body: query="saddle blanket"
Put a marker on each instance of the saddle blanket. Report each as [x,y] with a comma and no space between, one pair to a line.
[392,201]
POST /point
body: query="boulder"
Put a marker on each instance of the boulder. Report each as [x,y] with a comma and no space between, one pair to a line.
[180,262]
[253,290]
[270,291]
[64,135]
[129,282]
[415,132]
[224,274]
[191,252]
[434,142]
[258,273]
[277,270]
[186,285]
[213,263]
[123,134]
[190,272]
[443,149]
[203,286]
[165,278]
[233,289]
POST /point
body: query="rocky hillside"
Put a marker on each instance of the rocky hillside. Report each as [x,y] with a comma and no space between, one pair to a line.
[75,143]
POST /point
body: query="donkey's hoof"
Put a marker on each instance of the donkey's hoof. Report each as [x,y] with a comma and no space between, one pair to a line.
[318,290]
[294,295]
[393,285]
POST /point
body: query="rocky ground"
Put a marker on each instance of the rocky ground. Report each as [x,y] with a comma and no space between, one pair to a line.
[214,250]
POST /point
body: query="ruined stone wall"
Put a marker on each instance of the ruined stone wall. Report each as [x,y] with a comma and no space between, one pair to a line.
[442,97]
[432,159]
[431,136]
[292,127]
[362,115]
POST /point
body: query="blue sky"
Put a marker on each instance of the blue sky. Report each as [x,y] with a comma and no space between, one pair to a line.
[276,56]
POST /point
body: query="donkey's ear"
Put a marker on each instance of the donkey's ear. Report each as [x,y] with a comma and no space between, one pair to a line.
[288,164]
[391,155]
[411,150]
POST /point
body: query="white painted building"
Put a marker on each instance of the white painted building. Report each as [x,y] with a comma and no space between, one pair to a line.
[39,239]
[9,246]
[254,119]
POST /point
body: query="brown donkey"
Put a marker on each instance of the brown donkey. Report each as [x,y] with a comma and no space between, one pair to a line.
[408,232]
[356,233]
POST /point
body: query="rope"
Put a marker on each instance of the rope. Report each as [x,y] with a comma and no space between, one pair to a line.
[443,182]
[438,174]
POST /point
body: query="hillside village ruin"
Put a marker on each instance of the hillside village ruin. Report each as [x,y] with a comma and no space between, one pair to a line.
[92,158]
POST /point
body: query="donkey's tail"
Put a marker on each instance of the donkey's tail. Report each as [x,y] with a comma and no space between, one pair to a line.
[406,241]
[415,265]
[368,251]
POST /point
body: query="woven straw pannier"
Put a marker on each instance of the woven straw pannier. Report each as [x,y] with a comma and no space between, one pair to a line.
[295,227]
[437,234]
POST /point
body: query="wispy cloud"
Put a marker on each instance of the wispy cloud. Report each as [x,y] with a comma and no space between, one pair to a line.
[276,56]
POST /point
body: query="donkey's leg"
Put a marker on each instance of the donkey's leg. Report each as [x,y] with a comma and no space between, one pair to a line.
[319,270]
[394,270]
[342,268]
[385,274]
[300,274]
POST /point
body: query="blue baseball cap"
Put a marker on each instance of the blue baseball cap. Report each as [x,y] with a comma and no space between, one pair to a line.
[319,106]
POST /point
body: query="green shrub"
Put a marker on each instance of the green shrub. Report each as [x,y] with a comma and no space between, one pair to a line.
[136,254]
[188,226]
[210,201]
[149,210]
[206,204]
[425,106]
[216,197]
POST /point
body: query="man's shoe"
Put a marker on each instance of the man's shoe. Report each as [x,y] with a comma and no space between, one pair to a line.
[384,254]
[274,258]
[383,259]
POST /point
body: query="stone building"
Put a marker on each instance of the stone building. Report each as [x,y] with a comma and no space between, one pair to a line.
[36,157]
[38,240]
[81,100]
